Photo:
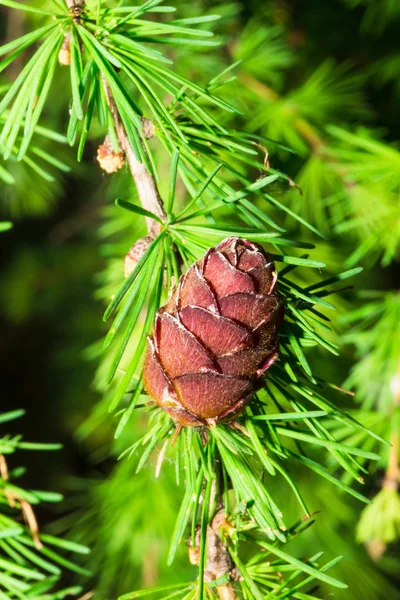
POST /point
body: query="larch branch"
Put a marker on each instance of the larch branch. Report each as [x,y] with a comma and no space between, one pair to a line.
[146,186]
[145,183]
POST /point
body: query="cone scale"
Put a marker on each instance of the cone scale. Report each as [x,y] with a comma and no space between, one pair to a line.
[216,336]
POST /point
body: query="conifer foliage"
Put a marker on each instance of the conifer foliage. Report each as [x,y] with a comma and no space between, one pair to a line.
[226,297]
[31,562]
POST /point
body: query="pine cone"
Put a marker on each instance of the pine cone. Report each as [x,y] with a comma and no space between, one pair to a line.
[216,335]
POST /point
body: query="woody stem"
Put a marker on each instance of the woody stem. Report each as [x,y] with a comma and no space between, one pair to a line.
[392,476]
[145,183]
[146,186]
[218,559]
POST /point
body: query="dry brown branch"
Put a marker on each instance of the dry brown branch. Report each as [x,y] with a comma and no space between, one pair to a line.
[27,511]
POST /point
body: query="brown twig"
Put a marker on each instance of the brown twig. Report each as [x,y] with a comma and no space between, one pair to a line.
[87,596]
[145,183]
[26,508]
[15,29]
[31,521]
[392,475]
[218,560]
[376,548]
[146,186]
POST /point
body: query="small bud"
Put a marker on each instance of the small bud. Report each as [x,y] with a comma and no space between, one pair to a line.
[194,555]
[135,254]
[109,160]
[64,56]
[149,128]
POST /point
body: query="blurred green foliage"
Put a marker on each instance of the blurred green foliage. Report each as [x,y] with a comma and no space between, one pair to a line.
[321,80]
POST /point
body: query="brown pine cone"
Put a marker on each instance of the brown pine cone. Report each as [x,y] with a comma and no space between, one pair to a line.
[216,335]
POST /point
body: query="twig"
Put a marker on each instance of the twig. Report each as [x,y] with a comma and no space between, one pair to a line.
[31,521]
[15,29]
[376,548]
[26,508]
[87,596]
[218,559]
[219,562]
[392,475]
[145,184]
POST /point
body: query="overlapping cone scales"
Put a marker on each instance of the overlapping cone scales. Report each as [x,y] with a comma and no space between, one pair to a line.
[216,335]
[209,395]
[249,309]
[178,349]
[194,290]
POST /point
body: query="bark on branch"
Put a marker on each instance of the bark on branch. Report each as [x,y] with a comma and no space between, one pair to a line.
[14,499]
[218,559]
[146,186]
[145,183]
